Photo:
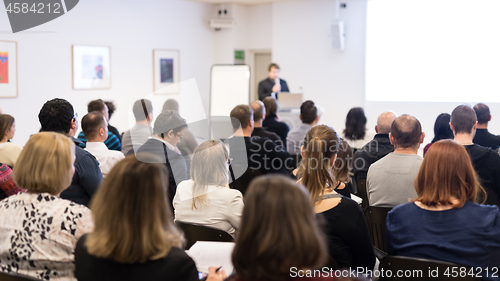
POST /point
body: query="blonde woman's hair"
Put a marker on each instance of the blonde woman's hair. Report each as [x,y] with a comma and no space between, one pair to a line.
[208,167]
[315,173]
[133,222]
[45,163]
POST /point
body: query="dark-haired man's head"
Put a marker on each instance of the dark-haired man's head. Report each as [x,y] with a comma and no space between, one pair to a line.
[309,113]
[463,120]
[95,127]
[242,116]
[99,105]
[169,126]
[143,111]
[274,71]
[170,104]
[406,133]
[483,114]
[111,108]
[57,115]
[259,113]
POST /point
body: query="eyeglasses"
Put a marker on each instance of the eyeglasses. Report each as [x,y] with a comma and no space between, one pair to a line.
[229,161]
[75,116]
[180,136]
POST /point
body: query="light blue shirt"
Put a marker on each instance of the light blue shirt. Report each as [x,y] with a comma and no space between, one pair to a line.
[295,138]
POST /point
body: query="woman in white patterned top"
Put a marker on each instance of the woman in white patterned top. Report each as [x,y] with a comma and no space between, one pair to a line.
[39,230]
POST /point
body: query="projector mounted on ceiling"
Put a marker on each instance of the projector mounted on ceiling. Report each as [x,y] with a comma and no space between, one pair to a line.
[220,23]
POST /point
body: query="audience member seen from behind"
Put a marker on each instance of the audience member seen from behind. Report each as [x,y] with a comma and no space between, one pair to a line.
[259,113]
[278,232]
[139,134]
[444,223]
[7,185]
[188,143]
[9,152]
[57,115]
[206,199]
[134,237]
[342,169]
[111,110]
[95,128]
[355,131]
[442,130]
[483,137]
[349,241]
[112,141]
[251,152]
[271,122]
[42,229]
[167,133]
[486,162]
[309,117]
[375,149]
[390,180]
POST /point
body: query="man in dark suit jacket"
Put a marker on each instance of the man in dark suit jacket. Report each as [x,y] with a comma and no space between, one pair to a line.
[259,113]
[483,137]
[167,133]
[257,153]
[272,123]
[271,86]
[58,116]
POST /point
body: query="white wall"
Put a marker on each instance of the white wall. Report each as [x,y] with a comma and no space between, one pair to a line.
[131,30]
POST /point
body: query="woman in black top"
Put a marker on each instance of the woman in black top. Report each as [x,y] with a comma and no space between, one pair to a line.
[349,241]
[134,236]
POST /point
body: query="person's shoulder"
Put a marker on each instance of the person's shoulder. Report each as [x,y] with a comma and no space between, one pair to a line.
[81,154]
[178,256]
[116,154]
[351,205]
[185,184]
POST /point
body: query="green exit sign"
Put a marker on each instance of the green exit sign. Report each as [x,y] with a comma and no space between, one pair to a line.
[239,55]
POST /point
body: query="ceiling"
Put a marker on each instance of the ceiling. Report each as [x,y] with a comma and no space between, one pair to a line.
[244,2]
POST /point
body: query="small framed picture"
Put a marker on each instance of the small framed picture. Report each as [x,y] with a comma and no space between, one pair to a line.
[91,67]
[166,71]
[8,69]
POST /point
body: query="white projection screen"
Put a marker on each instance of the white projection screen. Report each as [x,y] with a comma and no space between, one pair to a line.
[229,87]
[433,50]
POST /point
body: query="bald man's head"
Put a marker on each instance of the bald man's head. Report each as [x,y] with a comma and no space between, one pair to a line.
[406,131]
[258,110]
[384,122]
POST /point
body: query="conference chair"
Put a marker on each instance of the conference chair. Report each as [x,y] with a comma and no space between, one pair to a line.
[424,269]
[375,218]
[244,180]
[361,192]
[4,276]
[196,232]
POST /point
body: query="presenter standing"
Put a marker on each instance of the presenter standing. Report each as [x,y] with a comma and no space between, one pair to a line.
[273,85]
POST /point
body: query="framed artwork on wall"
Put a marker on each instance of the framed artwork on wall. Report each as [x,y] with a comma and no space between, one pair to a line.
[166,71]
[8,69]
[91,67]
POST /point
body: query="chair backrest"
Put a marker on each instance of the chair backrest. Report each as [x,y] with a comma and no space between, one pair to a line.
[4,276]
[423,269]
[196,232]
[375,218]
[243,182]
[361,188]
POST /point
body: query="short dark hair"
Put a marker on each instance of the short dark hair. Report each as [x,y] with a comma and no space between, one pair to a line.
[111,108]
[463,119]
[273,65]
[167,121]
[142,108]
[271,105]
[96,105]
[406,131]
[482,113]
[91,123]
[241,115]
[308,112]
[56,116]
[258,109]
[170,104]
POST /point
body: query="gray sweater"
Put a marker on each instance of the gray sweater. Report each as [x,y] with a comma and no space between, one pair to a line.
[390,180]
